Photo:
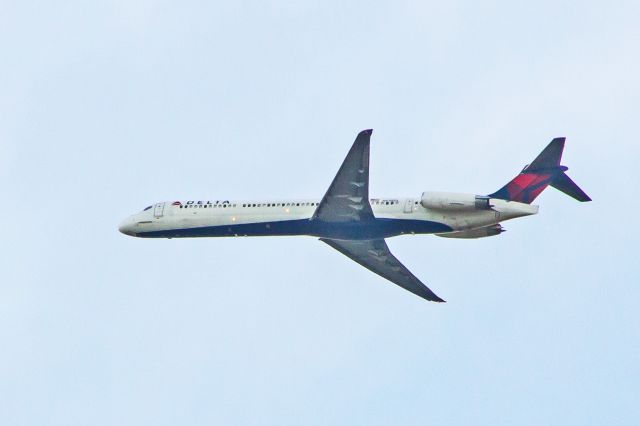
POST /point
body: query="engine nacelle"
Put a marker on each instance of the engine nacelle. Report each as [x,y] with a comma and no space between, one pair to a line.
[452,201]
[487,231]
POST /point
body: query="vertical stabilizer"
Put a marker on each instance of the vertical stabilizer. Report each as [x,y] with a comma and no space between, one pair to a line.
[545,170]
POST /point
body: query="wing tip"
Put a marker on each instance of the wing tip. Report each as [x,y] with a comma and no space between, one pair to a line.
[366,132]
[429,296]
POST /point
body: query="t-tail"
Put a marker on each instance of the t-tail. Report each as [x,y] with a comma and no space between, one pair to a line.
[544,171]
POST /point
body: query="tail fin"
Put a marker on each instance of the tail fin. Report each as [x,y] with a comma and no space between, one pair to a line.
[545,170]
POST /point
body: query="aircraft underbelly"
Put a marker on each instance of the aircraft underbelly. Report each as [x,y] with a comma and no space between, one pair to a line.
[378,228]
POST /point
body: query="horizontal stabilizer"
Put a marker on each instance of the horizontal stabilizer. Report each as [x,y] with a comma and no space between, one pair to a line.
[563,183]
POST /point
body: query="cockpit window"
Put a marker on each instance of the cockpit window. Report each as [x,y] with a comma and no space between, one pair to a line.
[146,208]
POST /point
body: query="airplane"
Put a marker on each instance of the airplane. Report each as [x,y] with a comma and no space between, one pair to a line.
[356,225]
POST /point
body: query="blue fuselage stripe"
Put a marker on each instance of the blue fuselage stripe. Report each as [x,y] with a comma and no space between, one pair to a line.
[378,228]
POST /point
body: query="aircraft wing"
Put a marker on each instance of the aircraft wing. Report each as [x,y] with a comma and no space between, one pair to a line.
[376,256]
[347,199]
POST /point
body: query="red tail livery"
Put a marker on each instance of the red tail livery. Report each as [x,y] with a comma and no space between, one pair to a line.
[545,170]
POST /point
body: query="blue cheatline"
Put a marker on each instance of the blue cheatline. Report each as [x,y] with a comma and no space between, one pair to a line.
[378,228]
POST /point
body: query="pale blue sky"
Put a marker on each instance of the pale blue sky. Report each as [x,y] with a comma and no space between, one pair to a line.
[107,107]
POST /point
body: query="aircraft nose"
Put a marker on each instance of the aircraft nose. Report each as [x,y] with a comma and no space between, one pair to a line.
[126,227]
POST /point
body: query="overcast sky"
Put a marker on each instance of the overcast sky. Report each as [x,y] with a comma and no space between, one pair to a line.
[107,107]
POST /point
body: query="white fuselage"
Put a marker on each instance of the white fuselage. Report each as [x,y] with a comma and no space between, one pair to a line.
[394,216]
